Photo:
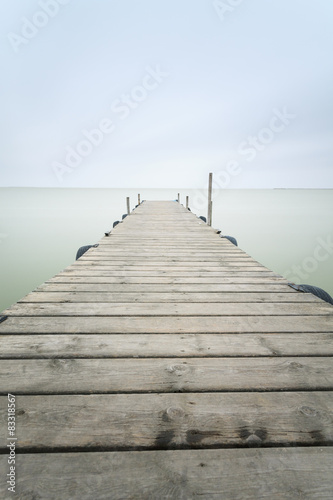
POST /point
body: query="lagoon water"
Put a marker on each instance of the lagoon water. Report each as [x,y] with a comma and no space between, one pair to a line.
[290,231]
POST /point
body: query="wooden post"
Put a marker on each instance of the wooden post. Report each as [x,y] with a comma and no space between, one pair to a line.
[178,198]
[186,201]
[128,205]
[210,205]
[139,201]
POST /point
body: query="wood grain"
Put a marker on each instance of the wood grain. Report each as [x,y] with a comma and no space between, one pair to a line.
[234,279]
[160,345]
[167,324]
[251,474]
[168,287]
[172,421]
[210,309]
[180,297]
[86,376]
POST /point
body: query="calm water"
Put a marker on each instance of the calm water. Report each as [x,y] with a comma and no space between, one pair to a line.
[290,231]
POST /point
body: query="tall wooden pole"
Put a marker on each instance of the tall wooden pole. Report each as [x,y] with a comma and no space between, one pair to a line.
[178,198]
[128,205]
[186,201]
[210,204]
[139,201]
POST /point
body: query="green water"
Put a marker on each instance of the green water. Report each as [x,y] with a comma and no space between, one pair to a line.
[289,231]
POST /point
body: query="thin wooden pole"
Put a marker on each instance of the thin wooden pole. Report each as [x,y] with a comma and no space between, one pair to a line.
[186,201]
[128,205]
[211,214]
[139,201]
[178,198]
[210,205]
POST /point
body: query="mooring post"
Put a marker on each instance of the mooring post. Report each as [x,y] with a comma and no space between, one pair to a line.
[178,197]
[210,203]
[128,205]
[186,201]
[139,201]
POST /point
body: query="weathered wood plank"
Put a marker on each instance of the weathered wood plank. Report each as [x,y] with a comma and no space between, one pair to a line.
[167,324]
[162,262]
[210,309]
[277,473]
[180,297]
[229,288]
[169,421]
[160,244]
[152,245]
[220,273]
[168,242]
[205,256]
[86,376]
[160,345]
[108,266]
[63,278]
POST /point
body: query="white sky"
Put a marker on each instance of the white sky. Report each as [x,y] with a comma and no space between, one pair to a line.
[230,75]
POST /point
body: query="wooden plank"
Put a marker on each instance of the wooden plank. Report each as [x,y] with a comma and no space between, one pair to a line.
[177,271]
[165,244]
[179,297]
[170,309]
[169,421]
[134,262]
[151,241]
[167,324]
[203,255]
[274,473]
[113,266]
[63,278]
[122,258]
[159,345]
[105,272]
[229,288]
[86,376]
[162,248]
[185,248]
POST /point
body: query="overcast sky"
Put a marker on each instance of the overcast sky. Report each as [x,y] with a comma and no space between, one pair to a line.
[158,93]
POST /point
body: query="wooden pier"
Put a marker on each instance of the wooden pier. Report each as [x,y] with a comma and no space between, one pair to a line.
[168,364]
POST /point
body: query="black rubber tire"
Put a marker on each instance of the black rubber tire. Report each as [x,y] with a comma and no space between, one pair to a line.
[83,250]
[318,292]
[231,239]
[115,223]
[124,216]
[203,218]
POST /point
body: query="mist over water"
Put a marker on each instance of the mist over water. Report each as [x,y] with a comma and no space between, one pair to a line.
[289,231]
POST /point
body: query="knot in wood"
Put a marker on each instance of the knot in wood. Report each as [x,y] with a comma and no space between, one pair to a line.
[178,369]
[294,366]
[308,411]
[63,365]
[174,413]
